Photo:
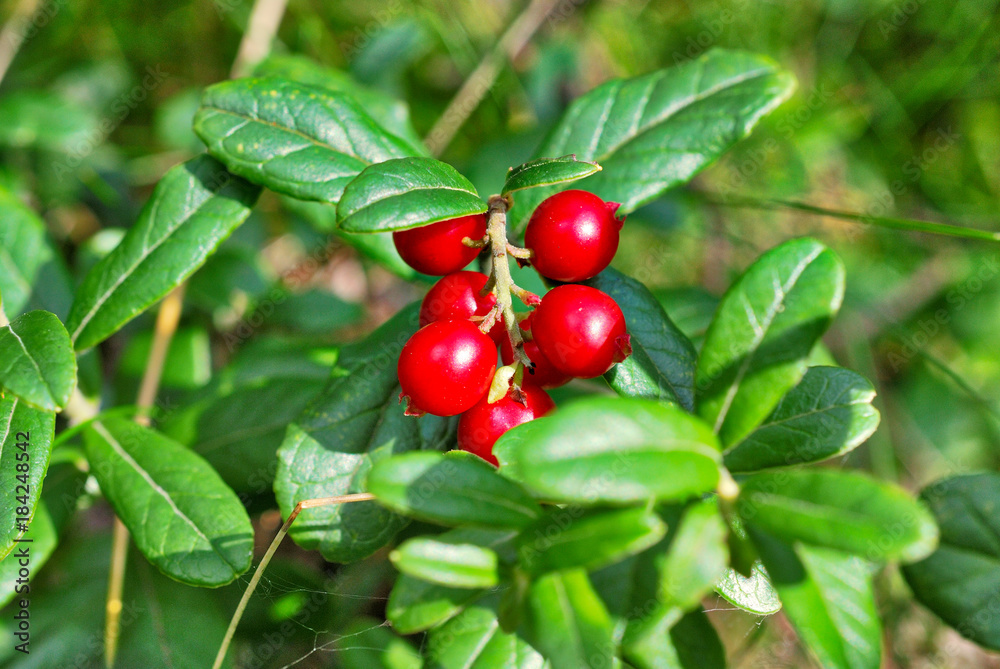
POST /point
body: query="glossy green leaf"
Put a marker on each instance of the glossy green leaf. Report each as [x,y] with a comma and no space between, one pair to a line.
[827,414]
[567,621]
[960,579]
[617,450]
[183,518]
[25,445]
[546,172]
[753,593]
[473,640]
[456,488]
[663,360]
[689,643]
[355,421]
[193,209]
[32,273]
[842,510]
[37,361]
[391,113]
[571,536]
[828,597]
[406,193]
[763,331]
[299,140]
[415,605]
[656,131]
[451,563]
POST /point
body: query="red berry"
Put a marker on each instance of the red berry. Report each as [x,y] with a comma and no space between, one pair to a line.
[457,297]
[482,425]
[581,330]
[437,249]
[574,235]
[545,374]
[445,368]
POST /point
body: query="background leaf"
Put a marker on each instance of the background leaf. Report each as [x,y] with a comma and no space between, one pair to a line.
[406,193]
[192,210]
[753,593]
[473,640]
[546,172]
[17,421]
[763,331]
[37,361]
[415,605]
[183,518]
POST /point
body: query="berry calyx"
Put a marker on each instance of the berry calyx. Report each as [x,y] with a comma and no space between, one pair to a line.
[445,368]
[458,296]
[437,249]
[481,426]
[544,374]
[573,235]
[581,330]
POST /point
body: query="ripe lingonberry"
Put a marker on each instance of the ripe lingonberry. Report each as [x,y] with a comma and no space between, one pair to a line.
[437,249]
[445,368]
[545,375]
[573,234]
[581,330]
[482,425]
[457,297]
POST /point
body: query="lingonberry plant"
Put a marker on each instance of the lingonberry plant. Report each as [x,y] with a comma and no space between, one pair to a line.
[523,531]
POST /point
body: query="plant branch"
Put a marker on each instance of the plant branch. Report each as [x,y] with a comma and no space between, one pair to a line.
[478,84]
[166,324]
[265,17]
[11,39]
[255,579]
[503,284]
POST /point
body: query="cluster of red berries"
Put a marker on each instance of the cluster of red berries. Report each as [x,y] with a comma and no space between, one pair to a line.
[575,331]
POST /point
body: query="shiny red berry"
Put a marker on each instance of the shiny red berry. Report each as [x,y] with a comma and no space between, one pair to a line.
[545,374]
[457,297]
[581,330]
[482,425]
[445,368]
[437,249]
[573,234]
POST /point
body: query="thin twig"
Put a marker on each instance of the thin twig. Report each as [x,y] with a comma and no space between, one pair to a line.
[478,84]
[166,324]
[255,579]
[11,39]
[265,17]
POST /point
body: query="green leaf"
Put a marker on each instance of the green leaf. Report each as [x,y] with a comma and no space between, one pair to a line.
[447,562]
[415,605]
[25,445]
[547,172]
[663,360]
[183,518]
[298,140]
[355,421]
[193,209]
[37,361]
[188,363]
[456,488]
[571,536]
[959,580]
[391,113]
[753,593]
[473,640]
[690,643]
[656,131]
[46,120]
[406,193]
[842,510]
[32,273]
[615,450]
[759,341]
[827,414]
[828,597]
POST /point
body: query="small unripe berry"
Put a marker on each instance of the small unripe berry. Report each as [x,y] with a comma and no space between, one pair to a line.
[437,249]
[481,426]
[573,235]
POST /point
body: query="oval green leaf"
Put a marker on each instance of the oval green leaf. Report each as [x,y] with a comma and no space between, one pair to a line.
[193,209]
[415,605]
[406,193]
[25,445]
[473,640]
[37,361]
[827,414]
[842,510]
[298,140]
[450,563]
[757,346]
[546,172]
[614,450]
[182,516]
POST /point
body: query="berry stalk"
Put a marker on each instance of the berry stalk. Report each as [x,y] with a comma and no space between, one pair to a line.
[503,284]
